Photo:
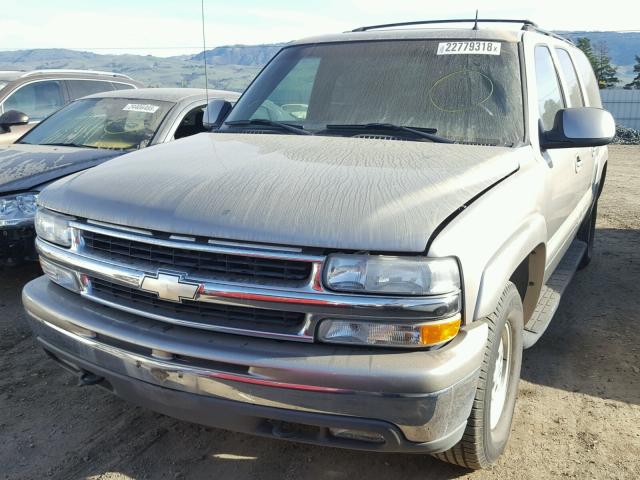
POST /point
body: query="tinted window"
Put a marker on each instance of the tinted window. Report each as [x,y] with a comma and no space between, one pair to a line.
[37,100]
[191,123]
[121,86]
[116,123]
[549,94]
[469,97]
[82,88]
[588,79]
[574,95]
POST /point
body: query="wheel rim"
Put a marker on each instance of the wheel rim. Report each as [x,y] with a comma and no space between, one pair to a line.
[501,376]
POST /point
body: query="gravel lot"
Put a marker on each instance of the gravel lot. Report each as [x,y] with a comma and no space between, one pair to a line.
[578,413]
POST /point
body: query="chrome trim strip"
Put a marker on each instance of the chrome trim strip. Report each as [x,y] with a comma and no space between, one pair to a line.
[119,227]
[247,250]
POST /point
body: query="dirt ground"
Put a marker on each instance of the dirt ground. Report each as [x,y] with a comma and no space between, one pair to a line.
[578,413]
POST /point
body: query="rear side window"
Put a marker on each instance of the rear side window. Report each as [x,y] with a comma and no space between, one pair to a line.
[38,100]
[81,88]
[549,94]
[574,95]
[588,79]
[121,86]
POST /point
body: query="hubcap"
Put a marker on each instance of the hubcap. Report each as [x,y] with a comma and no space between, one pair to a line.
[500,376]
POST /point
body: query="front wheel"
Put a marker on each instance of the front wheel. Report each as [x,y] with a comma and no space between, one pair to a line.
[489,423]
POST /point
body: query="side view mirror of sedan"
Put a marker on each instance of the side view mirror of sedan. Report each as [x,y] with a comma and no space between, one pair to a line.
[215,113]
[579,127]
[12,117]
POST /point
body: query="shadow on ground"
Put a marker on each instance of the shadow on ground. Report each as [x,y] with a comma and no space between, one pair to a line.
[593,344]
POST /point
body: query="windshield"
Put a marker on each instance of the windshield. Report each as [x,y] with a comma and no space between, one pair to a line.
[469,92]
[117,123]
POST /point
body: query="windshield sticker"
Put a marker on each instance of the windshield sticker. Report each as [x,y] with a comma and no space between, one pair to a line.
[140,107]
[469,48]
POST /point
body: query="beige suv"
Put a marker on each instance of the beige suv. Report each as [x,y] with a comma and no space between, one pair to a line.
[26,98]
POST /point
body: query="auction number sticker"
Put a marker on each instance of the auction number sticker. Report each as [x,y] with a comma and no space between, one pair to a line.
[140,107]
[469,48]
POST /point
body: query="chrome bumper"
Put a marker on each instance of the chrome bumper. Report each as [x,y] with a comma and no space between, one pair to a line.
[427,395]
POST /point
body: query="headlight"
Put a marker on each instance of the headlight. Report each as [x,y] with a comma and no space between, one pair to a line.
[380,274]
[53,227]
[389,334]
[17,209]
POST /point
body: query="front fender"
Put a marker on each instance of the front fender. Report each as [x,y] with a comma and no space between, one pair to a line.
[494,234]
[529,237]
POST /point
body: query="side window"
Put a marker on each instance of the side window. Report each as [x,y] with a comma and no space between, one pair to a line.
[589,79]
[37,100]
[81,88]
[549,94]
[191,123]
[121,86]
[574,94]
[290,99]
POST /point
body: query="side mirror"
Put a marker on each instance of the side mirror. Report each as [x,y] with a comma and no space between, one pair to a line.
[215,113]
[579,127]
[12,117]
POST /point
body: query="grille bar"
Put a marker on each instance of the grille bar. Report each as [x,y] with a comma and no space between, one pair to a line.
[203,313]
[196,262]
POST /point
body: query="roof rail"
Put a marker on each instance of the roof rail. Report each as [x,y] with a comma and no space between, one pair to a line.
[77,71]
[547,32]
[525,23]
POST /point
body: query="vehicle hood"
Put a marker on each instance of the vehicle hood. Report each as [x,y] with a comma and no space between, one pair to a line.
[23,167]
[329,192]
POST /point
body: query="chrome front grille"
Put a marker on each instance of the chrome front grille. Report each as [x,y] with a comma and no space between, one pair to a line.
[224,286]
[198,263]
[199,314]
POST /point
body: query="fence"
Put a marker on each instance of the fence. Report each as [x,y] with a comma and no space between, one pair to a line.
[624,105]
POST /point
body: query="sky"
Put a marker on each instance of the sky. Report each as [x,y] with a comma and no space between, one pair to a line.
[173,27]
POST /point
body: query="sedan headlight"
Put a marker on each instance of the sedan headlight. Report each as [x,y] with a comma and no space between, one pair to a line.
[381,274]
[18,209]
[53,227]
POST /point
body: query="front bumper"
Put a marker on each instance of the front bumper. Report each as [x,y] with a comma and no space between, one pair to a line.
[17,244]
[415,401]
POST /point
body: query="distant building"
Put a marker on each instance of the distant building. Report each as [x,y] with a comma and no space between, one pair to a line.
[624,105]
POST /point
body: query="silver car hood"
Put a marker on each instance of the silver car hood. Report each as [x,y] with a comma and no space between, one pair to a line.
[329,192]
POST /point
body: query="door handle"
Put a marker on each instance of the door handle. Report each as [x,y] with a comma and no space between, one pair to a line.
[578,162]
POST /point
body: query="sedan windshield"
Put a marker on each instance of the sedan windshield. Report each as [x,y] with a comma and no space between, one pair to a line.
[115,123]
[467,92]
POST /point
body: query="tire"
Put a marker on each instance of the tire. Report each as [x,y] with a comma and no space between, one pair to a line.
[482,443]
[587,234]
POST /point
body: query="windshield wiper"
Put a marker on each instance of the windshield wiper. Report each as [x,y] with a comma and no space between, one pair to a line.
[269,123]
[68,144]
[428,133]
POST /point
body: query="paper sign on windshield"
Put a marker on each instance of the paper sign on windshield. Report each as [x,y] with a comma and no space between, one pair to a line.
[469,48]
[140,107]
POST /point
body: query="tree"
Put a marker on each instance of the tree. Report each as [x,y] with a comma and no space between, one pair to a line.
[605,72]
[600,62]
[635,83]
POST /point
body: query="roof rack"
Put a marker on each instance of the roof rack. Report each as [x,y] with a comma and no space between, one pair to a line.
[77,71]
[527,25]
[525,22]
[548,33]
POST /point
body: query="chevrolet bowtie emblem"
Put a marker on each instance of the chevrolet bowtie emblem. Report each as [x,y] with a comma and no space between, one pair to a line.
[170,287]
